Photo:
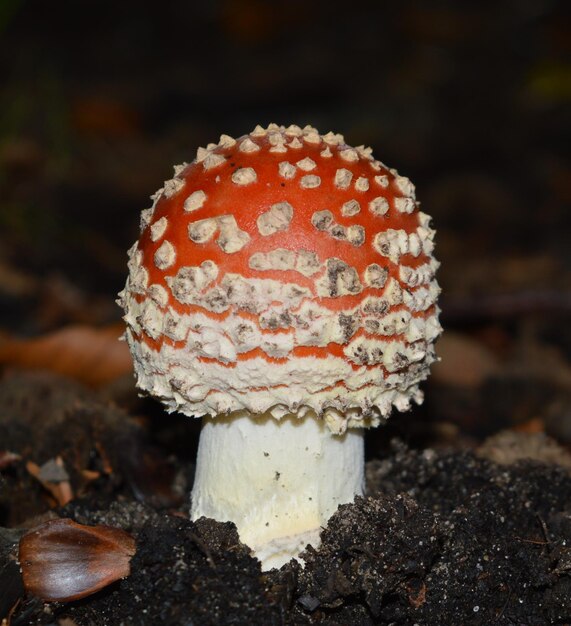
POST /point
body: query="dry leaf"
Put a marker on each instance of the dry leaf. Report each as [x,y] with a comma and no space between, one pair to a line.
[54,478]
[104,117]
[509,446]
[463,361]
[7,458]
[94,356]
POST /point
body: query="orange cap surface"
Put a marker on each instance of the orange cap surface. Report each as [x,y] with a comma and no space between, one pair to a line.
[283,271]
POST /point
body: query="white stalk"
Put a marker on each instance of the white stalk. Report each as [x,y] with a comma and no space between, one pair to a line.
[279,481]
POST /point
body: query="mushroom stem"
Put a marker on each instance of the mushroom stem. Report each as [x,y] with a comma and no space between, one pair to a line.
[278,481]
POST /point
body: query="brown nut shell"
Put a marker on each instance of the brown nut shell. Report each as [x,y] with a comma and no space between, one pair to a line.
[63,561]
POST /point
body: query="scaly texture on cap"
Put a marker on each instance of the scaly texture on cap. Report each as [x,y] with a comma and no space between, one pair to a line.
[283,271]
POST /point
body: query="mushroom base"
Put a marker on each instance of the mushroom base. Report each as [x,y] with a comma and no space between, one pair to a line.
[279,481]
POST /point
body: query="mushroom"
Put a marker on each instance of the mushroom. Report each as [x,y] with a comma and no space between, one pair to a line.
[283,289]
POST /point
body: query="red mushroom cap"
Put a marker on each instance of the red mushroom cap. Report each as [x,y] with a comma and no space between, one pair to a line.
[283,271]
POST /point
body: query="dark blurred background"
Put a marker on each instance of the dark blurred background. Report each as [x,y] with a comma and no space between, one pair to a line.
[98,99]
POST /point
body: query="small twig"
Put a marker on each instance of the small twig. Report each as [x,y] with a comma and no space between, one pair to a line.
[534,541]
[544,531]
[206,551]
[504,607]
[543,528]
[7,621]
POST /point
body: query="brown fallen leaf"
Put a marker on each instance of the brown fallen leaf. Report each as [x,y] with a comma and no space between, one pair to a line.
[16,283]
[94,356]
[64,561]
[463,361]
[90,475]
[8,458]
[510,446]
[104,117]
[54,478]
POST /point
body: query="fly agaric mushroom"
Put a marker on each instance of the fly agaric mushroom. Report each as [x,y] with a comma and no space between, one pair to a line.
[283,289]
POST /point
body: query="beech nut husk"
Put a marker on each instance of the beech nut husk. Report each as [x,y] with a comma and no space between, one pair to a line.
[63,561]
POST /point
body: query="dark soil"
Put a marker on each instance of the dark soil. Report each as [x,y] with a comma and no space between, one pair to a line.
[444,537]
